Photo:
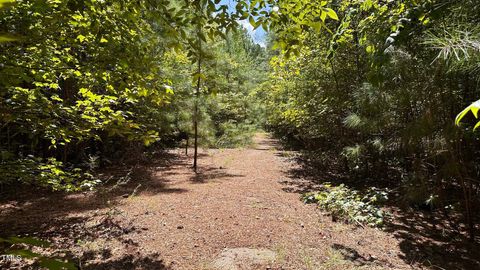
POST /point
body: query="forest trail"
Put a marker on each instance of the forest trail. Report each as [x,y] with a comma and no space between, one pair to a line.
[241,202]
[97,96]
[241,211]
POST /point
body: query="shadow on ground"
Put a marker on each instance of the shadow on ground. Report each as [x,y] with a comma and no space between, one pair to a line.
[427,238]
[434,240]
[129,261]
[353,256]
[29,209]
[209,174]
[67,219]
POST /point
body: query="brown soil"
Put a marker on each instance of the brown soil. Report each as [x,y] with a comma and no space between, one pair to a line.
[176,219]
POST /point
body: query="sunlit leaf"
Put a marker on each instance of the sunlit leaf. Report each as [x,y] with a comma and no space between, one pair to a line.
[52,264]
[331,13]
[7,38]
[81,38]
[28,240]
[474,108]
[6,3]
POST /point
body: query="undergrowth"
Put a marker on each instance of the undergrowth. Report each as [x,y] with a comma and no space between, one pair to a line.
[51,174]
[349,205]
[235,135]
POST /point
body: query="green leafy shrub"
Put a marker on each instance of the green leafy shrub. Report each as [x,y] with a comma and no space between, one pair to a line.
[349,205]
[50,174]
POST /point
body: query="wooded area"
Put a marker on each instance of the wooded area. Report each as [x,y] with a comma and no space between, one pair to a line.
[369,98]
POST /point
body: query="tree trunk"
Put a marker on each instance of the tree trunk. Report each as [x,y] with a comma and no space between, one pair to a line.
[197,93]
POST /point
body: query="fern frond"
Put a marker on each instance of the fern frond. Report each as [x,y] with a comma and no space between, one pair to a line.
[353,152]
[353,121]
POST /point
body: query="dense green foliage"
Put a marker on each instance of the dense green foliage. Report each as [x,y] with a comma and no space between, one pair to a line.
[80,73]
[376,101]
[228,109]
[84,83]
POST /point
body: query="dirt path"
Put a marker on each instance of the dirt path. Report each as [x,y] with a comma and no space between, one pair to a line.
[239,212]
[238,200]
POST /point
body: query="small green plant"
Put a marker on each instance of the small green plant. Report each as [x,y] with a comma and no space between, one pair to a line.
[20,247]
[349,205]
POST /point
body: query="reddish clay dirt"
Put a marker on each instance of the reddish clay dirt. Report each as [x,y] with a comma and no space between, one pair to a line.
[241,198]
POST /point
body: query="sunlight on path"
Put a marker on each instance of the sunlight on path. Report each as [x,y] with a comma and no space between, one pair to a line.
[237,203]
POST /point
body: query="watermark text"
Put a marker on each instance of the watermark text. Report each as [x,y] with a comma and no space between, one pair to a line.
[10,257]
